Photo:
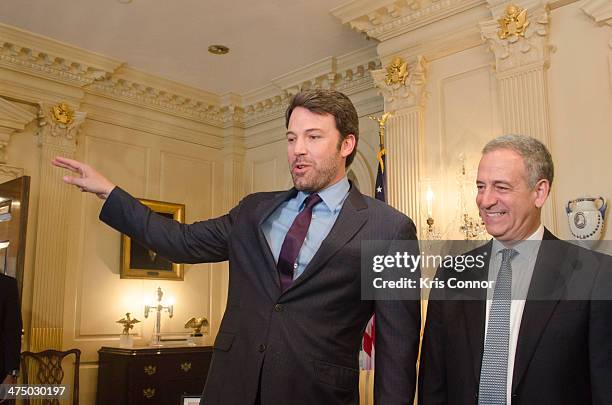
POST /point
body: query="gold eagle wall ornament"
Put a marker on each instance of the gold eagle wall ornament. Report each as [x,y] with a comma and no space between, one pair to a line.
[63,114]
[197,324]
[128,323]
[397,72]
[513,23]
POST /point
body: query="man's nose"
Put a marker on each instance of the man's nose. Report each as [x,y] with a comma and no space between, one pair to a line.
[299,147]
[486,198]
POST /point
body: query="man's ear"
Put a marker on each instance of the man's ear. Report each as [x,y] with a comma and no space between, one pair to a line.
[541,189]
[347,145]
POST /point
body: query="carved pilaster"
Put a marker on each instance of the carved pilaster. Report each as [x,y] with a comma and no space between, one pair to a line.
[58,130]
[233,167]
[13,118]
[403,88]
[519,39]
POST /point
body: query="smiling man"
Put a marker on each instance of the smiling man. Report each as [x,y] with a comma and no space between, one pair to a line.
[542,334]
[292,329]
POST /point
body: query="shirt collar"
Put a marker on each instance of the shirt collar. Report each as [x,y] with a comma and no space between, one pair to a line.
[525,248]
[333,196]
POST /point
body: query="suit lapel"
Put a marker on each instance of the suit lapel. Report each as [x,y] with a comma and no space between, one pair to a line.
[545,289]
[352,217]
[263,211]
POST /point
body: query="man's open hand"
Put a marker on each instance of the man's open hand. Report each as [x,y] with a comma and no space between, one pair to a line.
[88,180]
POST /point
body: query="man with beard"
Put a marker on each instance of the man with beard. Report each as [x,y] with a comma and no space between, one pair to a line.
[292,328]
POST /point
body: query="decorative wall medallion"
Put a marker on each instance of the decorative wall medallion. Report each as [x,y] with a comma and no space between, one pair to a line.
[63,114]
[513,23]
[397,72]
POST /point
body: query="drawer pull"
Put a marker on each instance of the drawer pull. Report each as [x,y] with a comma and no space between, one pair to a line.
[186,366]
[148,393]
[150,370]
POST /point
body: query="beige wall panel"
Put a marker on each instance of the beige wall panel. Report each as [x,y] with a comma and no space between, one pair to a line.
[581,109]
[152,167]
[461,116]
[266,168]
[188,180]
[102,296]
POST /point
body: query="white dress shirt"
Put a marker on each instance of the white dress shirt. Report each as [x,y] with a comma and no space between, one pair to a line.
[522,270]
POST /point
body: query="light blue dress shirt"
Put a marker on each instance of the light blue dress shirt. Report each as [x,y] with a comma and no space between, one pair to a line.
[324,215]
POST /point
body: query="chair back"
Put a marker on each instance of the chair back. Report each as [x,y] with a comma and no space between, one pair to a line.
[46,368]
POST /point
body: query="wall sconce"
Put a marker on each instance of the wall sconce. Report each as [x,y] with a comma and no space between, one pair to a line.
[430,232]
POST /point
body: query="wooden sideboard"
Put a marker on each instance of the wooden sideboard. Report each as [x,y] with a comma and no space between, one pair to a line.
[151,375]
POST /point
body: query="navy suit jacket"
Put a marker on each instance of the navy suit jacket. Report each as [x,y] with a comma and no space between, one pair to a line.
[299,346]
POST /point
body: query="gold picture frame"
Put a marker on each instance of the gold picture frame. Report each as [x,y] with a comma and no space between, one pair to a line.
[137,261]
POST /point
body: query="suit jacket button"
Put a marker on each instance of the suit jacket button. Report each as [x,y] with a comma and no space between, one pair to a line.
[262,348]
[278,307]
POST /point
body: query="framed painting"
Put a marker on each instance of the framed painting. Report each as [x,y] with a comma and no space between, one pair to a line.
[138,261]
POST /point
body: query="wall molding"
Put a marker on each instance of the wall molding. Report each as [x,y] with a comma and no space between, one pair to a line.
[388,19]
[97,75]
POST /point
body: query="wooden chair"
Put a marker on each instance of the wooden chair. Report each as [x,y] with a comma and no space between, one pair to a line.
[46,368]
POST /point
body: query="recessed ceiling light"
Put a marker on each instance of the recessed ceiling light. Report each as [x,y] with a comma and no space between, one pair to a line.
[218,49]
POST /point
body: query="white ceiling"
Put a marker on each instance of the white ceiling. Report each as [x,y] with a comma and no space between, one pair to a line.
[267,38]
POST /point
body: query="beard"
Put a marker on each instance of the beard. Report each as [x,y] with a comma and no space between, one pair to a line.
[318,176]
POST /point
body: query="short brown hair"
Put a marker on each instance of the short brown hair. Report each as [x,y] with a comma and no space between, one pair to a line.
[332,102]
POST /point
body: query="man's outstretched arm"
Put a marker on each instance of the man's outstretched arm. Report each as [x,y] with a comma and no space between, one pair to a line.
[205,241]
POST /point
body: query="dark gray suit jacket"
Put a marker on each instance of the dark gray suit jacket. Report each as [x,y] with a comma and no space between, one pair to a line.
[300,346]
[564,348]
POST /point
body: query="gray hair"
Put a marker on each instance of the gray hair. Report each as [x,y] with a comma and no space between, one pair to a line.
[537,158]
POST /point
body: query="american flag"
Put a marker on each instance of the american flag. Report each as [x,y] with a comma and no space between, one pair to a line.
[369,335]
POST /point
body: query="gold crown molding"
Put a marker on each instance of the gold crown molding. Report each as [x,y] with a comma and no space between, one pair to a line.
[409,93]
[520,51]
[157,99]
[350,81]
[103,77]
[396,18]
[46,65]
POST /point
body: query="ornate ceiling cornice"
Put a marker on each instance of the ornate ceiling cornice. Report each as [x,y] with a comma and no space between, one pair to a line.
[337,75]
[97,75]
[40,56]
[387,19]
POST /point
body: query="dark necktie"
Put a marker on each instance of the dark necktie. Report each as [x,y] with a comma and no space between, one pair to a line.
[287,259]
